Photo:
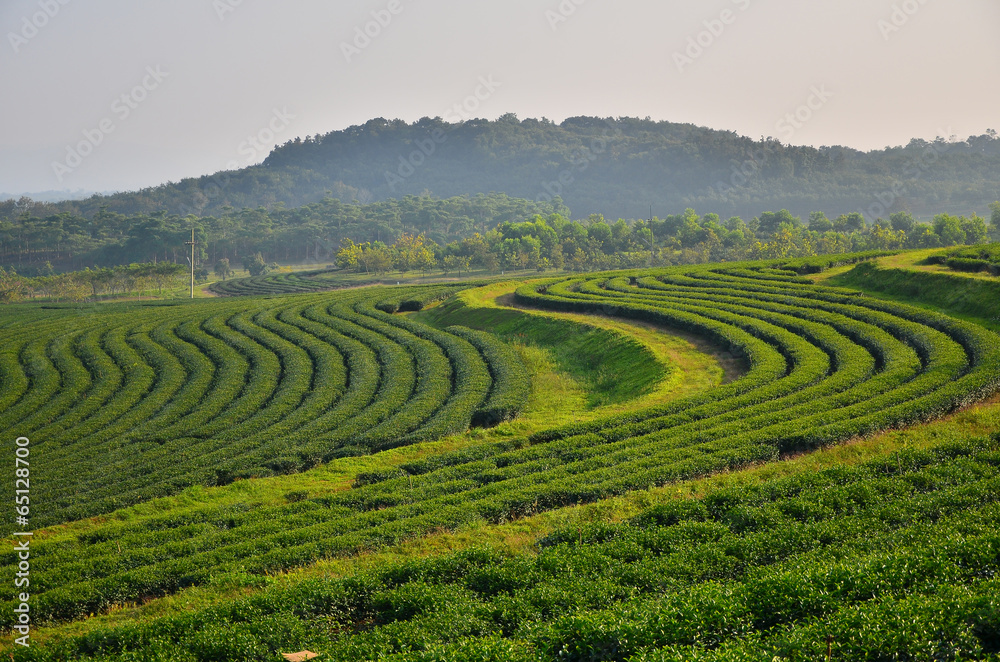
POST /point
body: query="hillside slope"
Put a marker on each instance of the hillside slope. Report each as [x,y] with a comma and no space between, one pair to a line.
[880,555]
[616,167]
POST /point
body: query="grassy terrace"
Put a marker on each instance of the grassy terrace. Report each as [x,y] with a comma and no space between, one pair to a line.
[574,531]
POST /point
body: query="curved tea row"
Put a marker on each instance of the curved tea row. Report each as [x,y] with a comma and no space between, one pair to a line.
[278,284]
[123,407]
[892,559]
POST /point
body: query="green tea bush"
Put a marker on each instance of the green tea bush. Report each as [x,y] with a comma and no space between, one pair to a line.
[824,366]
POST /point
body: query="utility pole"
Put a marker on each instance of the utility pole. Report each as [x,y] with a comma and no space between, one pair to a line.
[192,244]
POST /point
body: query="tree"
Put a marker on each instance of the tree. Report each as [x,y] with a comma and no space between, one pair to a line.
[163,272]
[424,260]
[222,268]
[255,265]
[556,259]
[377,258]
[818,222]
[455,263]
[100,279]
[70,287]
[975,229]
[923,236]
[601,233]
[949,228]
[995,215]
[902,220]
[885,239]
[578,261]
[529,253]
[348,257]
[490,262]
[12,286]
[412,253]
[853,222]
[770,222]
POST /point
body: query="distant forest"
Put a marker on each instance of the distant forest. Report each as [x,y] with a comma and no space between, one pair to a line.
[620,168]
[540,244]
[488,232]
[35,241]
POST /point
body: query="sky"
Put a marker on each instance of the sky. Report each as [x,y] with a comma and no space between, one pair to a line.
[107,95]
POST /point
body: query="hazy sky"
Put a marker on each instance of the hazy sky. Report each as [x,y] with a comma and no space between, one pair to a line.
[156,90]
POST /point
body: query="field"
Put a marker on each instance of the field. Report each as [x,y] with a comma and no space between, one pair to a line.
[718,462]
[284,283]
[973,259]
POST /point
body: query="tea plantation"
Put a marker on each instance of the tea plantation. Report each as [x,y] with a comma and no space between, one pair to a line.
[973,259]
[283,283]
[131,405]
[892,558]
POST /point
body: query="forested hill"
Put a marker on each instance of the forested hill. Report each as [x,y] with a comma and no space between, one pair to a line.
[614,167]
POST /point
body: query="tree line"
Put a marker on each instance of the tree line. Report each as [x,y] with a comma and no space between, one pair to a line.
[93,284]
[541,243]
[556,242]
[30,237]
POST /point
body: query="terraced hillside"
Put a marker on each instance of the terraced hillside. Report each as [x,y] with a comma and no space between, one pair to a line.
[973,259]
[128,404]
[300,282]
[906,278]
[826,365]
[892,559]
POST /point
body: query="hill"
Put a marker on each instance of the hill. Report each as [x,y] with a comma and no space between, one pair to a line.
[233,479]
[616,167]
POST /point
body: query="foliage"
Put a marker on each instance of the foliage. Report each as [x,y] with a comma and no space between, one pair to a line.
[12,286]
[522,241]
[983,258]
[954,295]
[826,365]
[611,166]
[255,265]
[95,284]
[555,242]
[30,236]
[141,401]
[892,559]
[222,269]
